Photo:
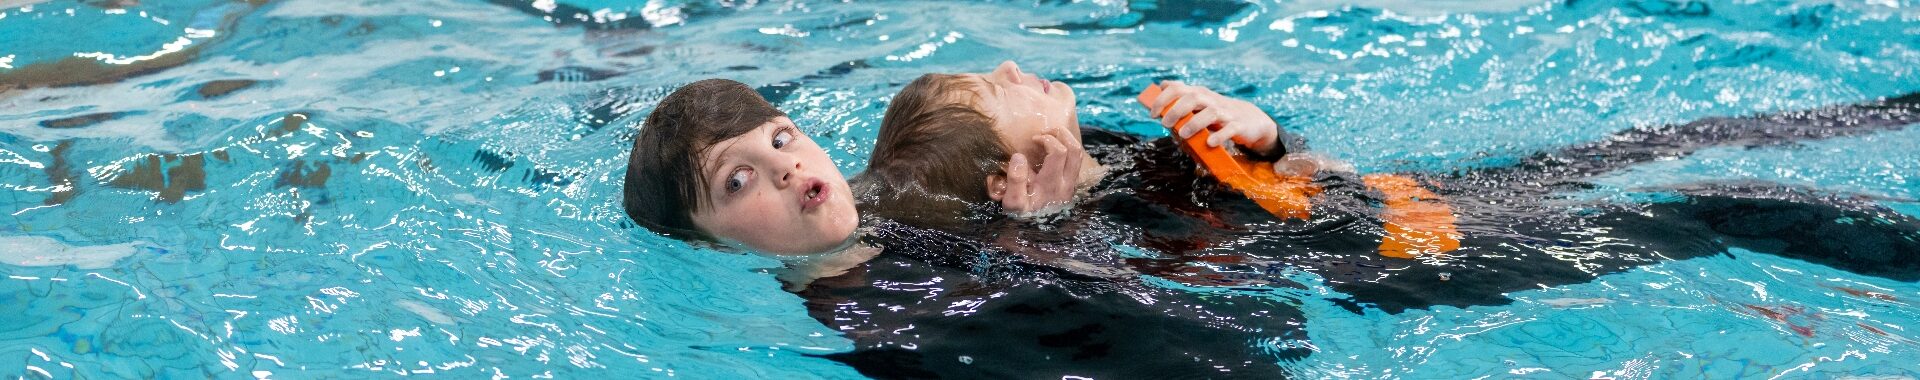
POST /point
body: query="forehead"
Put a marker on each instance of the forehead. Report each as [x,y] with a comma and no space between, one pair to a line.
[727,147]
[977,91]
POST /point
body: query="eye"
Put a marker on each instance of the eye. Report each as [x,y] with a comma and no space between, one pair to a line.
[737,180]
[782,138]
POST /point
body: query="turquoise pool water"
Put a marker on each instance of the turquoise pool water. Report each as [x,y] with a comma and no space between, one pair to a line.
[326,189]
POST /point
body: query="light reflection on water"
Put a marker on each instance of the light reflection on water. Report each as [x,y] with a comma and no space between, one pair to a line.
[445,204]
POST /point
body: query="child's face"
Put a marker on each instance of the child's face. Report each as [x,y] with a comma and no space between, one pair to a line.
[1023,106]
[773,190]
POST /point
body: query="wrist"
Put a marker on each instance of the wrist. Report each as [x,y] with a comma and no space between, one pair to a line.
[1268,146]
[1268,149]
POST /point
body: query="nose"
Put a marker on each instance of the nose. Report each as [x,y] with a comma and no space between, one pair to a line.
[789,171]
[1011,71]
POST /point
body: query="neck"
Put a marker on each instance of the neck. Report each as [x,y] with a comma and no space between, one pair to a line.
[802,270]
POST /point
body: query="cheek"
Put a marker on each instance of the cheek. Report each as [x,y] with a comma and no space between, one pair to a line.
[749,219]
[822,164]
[1062,114]
[1023,143]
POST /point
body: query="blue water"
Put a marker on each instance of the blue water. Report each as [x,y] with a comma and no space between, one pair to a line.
[467,223]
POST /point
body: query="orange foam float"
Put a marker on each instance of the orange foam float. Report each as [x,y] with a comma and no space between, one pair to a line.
[1283,196]
[1418,221]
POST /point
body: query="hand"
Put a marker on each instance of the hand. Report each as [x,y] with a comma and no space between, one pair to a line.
[1029,191]
[1229,118]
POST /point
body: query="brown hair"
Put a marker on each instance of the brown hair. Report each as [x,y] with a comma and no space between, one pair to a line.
[664,176]
[935,152]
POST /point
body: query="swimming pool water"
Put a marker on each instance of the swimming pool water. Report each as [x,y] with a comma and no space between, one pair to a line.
[322,189]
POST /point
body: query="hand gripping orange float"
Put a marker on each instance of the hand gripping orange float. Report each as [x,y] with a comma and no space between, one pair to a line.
[1417,220]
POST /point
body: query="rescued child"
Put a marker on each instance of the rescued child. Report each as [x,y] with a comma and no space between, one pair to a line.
[1013,139]
[955,149]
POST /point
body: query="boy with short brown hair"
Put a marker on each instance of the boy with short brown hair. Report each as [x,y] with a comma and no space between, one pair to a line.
[715,162]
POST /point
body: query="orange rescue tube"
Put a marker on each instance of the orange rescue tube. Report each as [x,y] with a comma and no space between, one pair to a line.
[1282,196]
[1418,221]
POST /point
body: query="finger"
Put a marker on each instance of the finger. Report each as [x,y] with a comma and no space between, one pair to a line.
[1053,172]
[1190,99]
[1019,172]
[1067,136]
[1018,177]
[1255,141]
[1247,134]
[1056,151]
[1262,133]
[1204,119]
[1222,136]
[1202,90]
[1168,118]
[1167,95]
[1184,107]
[1063,156]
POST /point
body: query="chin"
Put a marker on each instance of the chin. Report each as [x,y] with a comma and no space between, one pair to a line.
[843,224]
[829,230]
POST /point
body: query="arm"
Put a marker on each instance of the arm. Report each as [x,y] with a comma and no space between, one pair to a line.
[1241,122]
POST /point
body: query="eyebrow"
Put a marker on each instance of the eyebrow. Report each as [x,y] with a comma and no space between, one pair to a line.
[996,86]
[720,161]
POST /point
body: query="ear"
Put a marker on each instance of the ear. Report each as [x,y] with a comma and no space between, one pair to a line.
[996,186]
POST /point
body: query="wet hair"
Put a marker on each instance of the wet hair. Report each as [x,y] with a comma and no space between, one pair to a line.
[664,173]
[935,152]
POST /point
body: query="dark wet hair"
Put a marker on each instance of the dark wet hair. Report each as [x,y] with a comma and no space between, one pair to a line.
[935,152]
[664,176]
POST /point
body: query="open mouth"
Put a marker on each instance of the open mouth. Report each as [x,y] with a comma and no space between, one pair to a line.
[814,194]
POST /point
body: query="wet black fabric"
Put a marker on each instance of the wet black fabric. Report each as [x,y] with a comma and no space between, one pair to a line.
[915,320]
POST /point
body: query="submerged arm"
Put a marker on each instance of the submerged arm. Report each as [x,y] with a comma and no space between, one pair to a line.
[1640,145]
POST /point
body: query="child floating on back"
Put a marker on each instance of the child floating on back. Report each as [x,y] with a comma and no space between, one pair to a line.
[1017,138]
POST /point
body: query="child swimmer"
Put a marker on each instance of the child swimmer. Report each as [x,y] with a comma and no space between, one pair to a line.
[716,163]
